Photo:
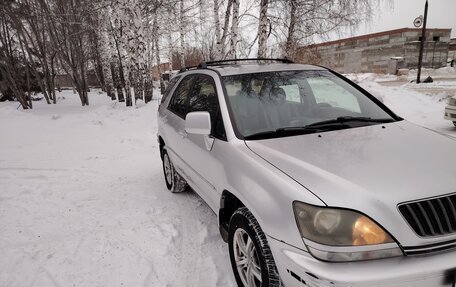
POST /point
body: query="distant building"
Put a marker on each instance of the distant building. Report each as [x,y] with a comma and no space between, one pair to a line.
[383,52]
[65,81]
[452,51]
[164,68]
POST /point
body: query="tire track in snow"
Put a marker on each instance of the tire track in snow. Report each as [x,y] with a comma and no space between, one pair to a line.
[189,247]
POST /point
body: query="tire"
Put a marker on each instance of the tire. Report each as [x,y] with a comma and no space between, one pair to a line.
[174,182]
[245,228]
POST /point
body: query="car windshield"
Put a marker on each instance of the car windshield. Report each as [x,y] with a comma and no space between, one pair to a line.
[270,104]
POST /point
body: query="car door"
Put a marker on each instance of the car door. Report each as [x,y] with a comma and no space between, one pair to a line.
[174,123]
[190,157]
[201,150]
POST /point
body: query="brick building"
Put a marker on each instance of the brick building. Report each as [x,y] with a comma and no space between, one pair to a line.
[383,52]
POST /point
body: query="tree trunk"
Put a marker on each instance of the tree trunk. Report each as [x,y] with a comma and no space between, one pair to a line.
[263,29]
[218,39]
[169,38]
[123,75]
[226,24]
[53,75]
[234,30]
[105,54]
[116,80]
[27,75]
[290,45]
[182,35]
[157,54]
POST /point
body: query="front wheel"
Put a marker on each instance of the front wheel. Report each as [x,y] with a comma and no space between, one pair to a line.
[251,257]
[174,182]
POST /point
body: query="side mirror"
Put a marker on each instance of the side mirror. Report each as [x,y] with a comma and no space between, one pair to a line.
[198,123]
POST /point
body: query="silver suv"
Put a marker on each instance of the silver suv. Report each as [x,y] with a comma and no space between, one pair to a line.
[314,181]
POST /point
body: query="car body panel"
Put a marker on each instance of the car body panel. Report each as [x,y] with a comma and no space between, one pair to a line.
[264,183]
[370,169]
[362,168]
[450,110]
[297,266]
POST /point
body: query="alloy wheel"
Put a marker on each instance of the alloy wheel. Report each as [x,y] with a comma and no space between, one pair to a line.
[168,169]
[246,258]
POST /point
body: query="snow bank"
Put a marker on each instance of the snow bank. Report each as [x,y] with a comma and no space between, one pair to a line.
[422,104]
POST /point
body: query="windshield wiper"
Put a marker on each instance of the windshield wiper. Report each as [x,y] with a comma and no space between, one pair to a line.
[281,132]
[343,120]
[334,124]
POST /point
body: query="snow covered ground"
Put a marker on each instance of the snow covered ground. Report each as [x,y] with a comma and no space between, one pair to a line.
[83,201]
[422,104]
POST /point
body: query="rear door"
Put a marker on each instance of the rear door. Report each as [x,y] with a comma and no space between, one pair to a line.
[173,120]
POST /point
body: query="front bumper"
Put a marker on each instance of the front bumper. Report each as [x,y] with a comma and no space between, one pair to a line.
[450,113]
[297,268]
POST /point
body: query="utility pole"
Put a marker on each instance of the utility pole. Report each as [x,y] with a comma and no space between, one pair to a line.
[423,39]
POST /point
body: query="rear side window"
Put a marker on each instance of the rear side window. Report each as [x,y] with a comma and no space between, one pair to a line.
[168,89]
[178,103]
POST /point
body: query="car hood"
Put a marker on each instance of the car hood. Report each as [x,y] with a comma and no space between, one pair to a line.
[371,169]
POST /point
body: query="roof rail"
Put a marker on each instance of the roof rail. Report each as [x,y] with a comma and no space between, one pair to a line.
[284,60]
[204,65]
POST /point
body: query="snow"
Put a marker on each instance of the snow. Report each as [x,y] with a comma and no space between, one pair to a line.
[83,200]
[422,104]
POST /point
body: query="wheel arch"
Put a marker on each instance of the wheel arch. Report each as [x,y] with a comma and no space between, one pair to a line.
[229,203]
[161,143]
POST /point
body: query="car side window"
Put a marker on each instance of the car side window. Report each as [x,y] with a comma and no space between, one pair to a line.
[178,103]
[168,89]
[204,98]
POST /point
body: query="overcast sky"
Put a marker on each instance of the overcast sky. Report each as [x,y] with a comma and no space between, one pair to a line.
[441,14]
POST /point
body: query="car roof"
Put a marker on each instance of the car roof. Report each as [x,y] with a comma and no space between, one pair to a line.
[238,69]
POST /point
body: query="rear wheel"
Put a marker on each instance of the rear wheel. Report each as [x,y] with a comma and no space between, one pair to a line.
[251,257]
[174,182]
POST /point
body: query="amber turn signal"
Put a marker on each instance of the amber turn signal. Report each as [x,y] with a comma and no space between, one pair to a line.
[367,232]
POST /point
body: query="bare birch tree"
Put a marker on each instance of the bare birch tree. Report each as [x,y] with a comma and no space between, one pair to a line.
[182,33]
[218,39]
[104,47]
[221,49]
[234,30]
[263,29]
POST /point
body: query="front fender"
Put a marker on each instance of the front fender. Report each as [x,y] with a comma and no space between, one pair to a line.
[265,190]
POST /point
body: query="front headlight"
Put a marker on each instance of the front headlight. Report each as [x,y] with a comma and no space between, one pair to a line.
[338,235]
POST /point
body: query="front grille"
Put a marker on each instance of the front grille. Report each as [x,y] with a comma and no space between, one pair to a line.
[430,248]
[431,217]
